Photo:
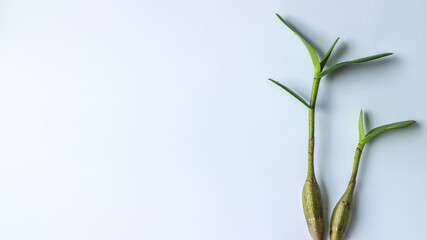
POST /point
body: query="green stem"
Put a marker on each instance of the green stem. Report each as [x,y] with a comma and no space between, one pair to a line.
[356,162]
[315,89]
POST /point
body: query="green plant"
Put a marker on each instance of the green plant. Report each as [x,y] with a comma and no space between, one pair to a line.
[311,197]
[342,212]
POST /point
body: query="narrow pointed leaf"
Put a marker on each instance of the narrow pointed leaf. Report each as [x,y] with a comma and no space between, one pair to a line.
[383,128]
[291,92]
[313,54]
[325,59]
[361,131]
[360,60]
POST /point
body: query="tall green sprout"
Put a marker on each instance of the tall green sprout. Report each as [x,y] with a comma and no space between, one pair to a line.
[340,219]
[311,196]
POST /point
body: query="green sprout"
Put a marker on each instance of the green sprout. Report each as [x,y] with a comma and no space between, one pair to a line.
[311,197]
[340,219]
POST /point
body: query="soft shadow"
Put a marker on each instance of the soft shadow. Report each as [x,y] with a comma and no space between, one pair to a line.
[305,31]
[336,54]
[323,133]
[325,201]
[367,121]
[322,157]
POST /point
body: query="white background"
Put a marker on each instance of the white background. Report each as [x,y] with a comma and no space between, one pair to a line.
[154,120]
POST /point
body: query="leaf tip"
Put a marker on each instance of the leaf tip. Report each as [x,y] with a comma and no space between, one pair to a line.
[280,17]
[385,54]
[338,38]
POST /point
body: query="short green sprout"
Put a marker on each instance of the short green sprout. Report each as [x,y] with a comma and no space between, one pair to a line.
[340,219]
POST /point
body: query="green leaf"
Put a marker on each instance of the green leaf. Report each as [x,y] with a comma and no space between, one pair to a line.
[383,128]
[313,54]
[360,60]
[325,59]
[361,131]
[291,92]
